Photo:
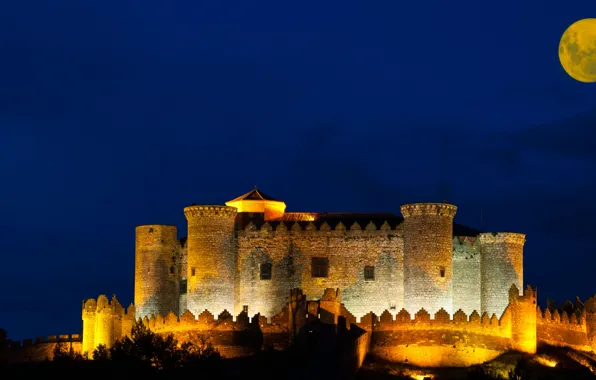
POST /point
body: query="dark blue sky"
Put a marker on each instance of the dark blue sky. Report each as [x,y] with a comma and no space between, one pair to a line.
[117,115]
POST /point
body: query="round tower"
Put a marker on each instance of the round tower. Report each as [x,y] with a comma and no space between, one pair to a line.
[428,256]
[156,271]
[211,259]
[501,265]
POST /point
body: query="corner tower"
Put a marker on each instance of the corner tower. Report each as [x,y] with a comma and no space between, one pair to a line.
[428,256]
[211,258]
[501,265]
[156,273]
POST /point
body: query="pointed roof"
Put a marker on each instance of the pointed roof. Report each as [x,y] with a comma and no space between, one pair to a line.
[254,195]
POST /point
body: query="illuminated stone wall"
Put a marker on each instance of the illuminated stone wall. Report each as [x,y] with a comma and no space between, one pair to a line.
[422,339]
[290,246]
[562,330]
[211,258]
[156,270]
[466,274]
[428,256]
[440,341]
[501,267]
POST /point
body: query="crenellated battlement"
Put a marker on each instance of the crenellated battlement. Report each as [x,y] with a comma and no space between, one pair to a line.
[210,211]
[502,237]
[277,228]
[465,241]
[460,321]
[428,209]
[206,321]
[104,306]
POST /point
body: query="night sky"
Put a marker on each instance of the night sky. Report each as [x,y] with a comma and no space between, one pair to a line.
[120,113]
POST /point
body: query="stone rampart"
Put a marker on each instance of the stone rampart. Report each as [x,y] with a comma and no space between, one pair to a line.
[439,341]
[560,329]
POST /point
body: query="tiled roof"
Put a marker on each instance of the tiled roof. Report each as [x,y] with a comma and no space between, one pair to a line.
[254,195]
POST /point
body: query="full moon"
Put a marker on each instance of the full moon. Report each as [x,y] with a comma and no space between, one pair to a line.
[577,50]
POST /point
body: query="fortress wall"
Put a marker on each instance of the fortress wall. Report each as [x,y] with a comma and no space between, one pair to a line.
[266,297]
[441,341]
[466,274]
[232,338]
[42,348]
[562,330]
[349,250]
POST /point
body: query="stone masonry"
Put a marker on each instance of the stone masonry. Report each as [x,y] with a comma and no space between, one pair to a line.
[247,257]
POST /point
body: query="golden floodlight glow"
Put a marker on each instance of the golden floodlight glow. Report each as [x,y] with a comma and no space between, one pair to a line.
[577,50]
[545,360]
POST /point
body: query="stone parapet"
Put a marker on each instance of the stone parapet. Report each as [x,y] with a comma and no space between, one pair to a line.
[502,237]
[423,209]
[202,211]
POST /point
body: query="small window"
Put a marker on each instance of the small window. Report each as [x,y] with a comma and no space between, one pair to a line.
[442,272]
[245,309]
[150,230]
[369,273]
[266,271]
[192,272]
[392,306]
[182,286]
[320,267]
[171,270]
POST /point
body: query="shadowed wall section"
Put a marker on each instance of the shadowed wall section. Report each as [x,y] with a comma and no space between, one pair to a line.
[501,267]
[466,274]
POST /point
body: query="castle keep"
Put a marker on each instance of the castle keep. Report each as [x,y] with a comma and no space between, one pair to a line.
[248,254]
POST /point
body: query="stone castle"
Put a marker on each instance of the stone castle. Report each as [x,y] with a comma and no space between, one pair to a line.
[414,288]
[249,254]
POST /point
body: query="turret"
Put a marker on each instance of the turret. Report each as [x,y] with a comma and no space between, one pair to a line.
[428,255]
[523,319]
[256,201]
[211,259]
[501,266]
[156,270]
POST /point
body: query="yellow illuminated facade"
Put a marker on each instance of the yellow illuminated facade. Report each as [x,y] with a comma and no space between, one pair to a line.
[423,289]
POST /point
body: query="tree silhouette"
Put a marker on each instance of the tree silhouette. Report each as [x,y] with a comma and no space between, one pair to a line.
[144,348]
[63,353]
